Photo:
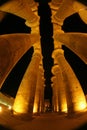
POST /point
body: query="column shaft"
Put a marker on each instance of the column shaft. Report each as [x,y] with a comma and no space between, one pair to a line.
[55,94]
[42,97]
[25,96]
[36,108]
[62,103]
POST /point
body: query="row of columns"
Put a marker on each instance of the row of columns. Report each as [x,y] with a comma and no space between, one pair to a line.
[59,94]
[68,95]
[69,88]
[39,94]
[67,92]
[30,96]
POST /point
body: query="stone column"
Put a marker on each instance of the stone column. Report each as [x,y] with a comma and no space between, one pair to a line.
[36,108]
[75,97]
[62,103]
[55,94]
[56,70]
[52,97]
[41,109]
[25,96]
[24,100]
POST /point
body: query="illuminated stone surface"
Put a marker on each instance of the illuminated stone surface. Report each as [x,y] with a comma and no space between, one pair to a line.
[67,8]
[54,4]
[60,89]
[55,94]
[26,98]
[39,85]
[83,14]
[74,102]
[59,94]
[12,48]
[33,5]
[6,100]
[42,96]
[22,9]
[77,42]
[75,97]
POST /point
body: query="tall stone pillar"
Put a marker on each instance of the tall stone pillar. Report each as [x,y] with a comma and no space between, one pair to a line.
[75,97]
[55,94]
[56,70]
[24,100]
[74,94]
[39,84]
[62,103]
[42,96]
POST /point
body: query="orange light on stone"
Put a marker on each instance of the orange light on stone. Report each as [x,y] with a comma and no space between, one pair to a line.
[81,105]
[35,109]
[0,109]
[20,106]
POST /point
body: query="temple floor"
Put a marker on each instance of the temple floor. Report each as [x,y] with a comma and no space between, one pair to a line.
[45,121]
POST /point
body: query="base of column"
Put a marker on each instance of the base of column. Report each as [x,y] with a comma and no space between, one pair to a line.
[36,114]
[76,114]
[23,116]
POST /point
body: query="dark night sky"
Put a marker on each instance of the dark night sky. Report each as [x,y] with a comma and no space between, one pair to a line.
[14,24]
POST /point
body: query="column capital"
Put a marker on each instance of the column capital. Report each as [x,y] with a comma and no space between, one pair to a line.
[37,54]
[53,78]
[54,4]
[33,5]
[34,22]
[57,20]
[55,69]
[57,27]
[57,52]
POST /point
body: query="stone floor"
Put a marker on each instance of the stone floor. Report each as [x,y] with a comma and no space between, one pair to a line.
[45,121]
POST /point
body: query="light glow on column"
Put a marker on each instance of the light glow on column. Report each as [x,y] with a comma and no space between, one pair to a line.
[19,106]
[64,108]
[81,105]
[35,109]
[0,109]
